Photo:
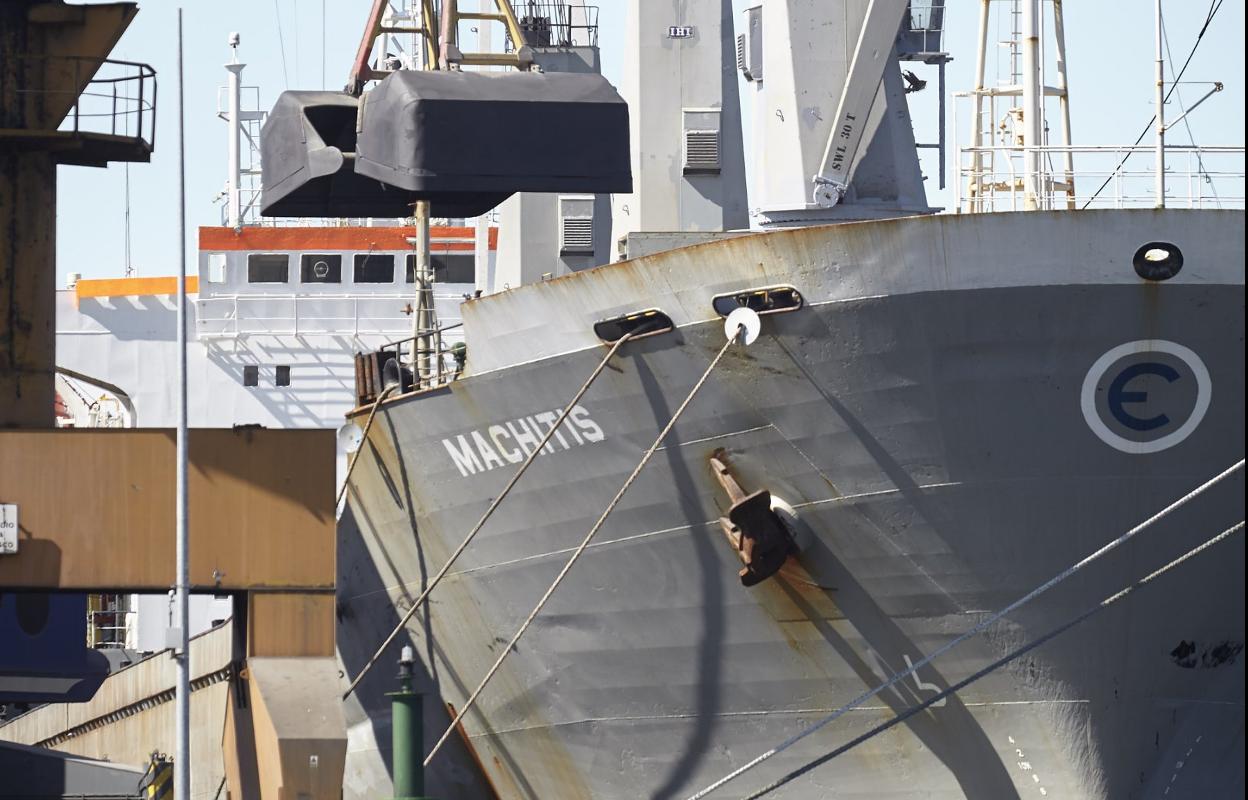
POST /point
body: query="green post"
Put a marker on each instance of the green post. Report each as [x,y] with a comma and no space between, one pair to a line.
[406,725]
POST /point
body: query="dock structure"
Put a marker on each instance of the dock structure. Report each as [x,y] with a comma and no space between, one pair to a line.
[263,531]
[267,721]
[54,66]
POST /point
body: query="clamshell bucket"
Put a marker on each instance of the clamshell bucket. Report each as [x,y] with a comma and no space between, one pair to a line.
[450,136]
[307,149]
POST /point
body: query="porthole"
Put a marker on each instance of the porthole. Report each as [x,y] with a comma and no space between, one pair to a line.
[1157,261]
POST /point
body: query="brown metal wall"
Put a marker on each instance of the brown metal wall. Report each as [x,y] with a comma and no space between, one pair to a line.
[97,508]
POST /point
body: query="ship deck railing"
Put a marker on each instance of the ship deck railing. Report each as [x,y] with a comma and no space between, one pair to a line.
[992,179]
[233,315]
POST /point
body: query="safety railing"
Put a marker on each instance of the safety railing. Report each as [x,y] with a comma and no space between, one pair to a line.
[424,361]
[547,24]
[1097,176]
[229,316]
[249,197]
[922,28]
[119,98]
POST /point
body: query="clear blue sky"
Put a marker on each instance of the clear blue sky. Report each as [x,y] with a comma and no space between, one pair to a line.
[1110,65]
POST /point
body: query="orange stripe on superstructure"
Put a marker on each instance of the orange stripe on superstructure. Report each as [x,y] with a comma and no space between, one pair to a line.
[261,240]
[131,287]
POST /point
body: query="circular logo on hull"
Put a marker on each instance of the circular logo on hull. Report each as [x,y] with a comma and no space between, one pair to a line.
[1146,396]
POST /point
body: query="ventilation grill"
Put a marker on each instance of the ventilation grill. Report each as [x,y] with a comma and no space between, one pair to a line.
[577,236]
[750,46]
[701,151]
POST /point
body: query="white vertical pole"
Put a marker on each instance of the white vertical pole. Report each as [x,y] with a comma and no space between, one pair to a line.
[974,187]
[1161,115]
[481,254]
[182,689]
[1032,99]
[235,207]
[422,315]
[1063,85]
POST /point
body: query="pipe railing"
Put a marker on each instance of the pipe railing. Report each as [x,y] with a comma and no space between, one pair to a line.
[115,101]
[1197,177]
[290,314]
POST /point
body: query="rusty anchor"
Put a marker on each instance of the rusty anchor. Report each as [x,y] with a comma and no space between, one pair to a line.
[760,539]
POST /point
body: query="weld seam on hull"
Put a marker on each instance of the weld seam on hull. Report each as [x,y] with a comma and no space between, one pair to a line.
[768,713]
[648,534]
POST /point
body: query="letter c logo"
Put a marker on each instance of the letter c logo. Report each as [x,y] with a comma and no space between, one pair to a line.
[1121,396]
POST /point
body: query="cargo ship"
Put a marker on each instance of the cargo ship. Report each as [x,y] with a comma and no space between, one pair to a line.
[926,418]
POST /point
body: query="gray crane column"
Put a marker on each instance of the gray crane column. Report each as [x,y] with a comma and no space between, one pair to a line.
[49,52]
[27,245]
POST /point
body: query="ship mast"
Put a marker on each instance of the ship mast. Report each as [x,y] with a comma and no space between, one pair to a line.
[1033,106]
[438,30]
[234,198]
[1023,127]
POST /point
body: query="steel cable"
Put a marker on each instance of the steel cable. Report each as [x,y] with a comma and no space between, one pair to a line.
[563,415]
[975,631]
[346,481]
[1213,10]
[962,684]
[584,543]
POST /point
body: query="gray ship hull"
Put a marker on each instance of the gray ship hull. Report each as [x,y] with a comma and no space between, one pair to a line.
[957,414]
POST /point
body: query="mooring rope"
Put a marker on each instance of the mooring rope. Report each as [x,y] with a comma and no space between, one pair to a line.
[975,631]
[738,332]
[563,415]
[962,684]
[363,438]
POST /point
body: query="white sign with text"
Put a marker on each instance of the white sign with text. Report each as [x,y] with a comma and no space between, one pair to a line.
[8,529]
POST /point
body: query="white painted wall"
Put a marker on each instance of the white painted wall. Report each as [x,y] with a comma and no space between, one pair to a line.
[131,342]
[663,77]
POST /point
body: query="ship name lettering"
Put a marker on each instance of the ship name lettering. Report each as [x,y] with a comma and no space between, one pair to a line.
[512,441]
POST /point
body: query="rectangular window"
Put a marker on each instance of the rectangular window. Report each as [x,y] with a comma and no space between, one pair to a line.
[283,376]
[268,268]
[251,375]
[318,268]
[447,267]
[374,268]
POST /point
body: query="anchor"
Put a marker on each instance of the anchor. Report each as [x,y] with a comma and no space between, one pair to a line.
[760,539]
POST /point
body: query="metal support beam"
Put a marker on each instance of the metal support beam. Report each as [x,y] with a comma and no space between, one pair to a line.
[48,53]
[27,289]
[1033,107]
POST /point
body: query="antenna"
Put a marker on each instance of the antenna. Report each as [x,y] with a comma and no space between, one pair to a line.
[234,118]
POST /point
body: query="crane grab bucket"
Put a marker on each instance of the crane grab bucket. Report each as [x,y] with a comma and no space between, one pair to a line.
[307,162]
[465,141]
